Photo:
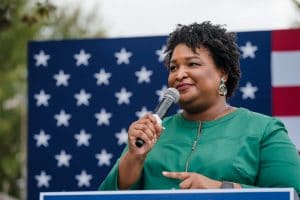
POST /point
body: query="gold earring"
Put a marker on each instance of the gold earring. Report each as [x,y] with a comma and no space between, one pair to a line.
[222,87]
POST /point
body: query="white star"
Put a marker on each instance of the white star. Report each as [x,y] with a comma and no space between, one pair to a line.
[42,138]
[161,53]
[61,78]
[122,137]
[43,179]
[62,118]
[104,158]
[102,77]
[41,59]
[83,138]
[160,92]
[143,75]
[83,179]
[103,117]
[142,113]
[82,58]
[42,98]
[63,159]
[82,98]
[248,91]
[123,56]
[248,50]
[123,96]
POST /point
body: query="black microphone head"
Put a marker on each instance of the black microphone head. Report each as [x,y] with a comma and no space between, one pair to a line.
[172,93]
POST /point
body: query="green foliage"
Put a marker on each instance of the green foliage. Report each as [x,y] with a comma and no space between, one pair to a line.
[20,22]
[297,21]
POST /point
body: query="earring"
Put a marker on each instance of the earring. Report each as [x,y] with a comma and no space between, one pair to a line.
[222,87]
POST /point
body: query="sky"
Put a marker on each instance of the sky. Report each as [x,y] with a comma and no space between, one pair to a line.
[126,18]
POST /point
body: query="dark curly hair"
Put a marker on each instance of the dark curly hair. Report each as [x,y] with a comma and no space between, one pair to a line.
[221,45]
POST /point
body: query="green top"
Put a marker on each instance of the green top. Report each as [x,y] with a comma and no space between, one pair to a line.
[243,147]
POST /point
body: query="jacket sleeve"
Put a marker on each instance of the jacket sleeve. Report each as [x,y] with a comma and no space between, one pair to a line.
[111,180]
[279,160]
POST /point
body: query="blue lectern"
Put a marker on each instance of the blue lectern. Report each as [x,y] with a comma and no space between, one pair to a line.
[220,194]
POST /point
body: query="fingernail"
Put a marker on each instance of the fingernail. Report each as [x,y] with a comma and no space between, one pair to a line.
[164,128]
[164,173]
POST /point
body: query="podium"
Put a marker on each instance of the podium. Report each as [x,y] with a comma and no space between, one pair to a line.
[216,194]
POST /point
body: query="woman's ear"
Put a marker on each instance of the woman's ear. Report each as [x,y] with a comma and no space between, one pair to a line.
[223,74]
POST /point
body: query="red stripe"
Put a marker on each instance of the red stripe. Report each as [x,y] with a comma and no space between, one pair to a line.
[286,40]
[286,101]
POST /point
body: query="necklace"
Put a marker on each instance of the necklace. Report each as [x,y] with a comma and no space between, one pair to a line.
[228,109]
[199,116]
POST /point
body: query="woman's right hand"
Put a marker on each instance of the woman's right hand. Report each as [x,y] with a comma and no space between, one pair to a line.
[131,164]
[146,129]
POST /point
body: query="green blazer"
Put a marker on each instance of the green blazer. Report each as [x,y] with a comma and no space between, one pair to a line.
[243,147]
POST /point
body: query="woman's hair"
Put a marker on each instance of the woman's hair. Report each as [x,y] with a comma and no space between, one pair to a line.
[221,45]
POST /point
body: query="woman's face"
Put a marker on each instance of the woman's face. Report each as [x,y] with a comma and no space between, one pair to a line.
[195,76]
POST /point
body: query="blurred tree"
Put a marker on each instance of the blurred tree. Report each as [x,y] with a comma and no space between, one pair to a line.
[297,21]
[21,21]
[297,2]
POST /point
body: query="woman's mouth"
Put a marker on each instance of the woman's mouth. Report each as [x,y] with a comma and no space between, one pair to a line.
[183,86]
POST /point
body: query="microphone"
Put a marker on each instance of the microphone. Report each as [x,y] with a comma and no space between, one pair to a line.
[171,96]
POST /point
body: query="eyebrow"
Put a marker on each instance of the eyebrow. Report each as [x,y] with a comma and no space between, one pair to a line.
[187,58]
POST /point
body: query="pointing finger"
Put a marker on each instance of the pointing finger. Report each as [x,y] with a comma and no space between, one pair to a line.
[176,175]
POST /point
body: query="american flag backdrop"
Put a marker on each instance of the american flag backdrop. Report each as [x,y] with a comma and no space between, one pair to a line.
[83,95]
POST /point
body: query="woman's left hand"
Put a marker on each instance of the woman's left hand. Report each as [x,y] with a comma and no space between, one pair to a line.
[193,180]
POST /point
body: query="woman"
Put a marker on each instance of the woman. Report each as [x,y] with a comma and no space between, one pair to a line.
[211,144]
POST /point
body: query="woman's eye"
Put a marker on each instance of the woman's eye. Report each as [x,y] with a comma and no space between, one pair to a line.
[194,64]
[172,68]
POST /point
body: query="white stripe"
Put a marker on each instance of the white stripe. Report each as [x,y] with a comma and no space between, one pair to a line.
[176,191]
[292,124]
[285,68]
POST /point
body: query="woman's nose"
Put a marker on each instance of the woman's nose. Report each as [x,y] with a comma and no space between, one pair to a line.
[181,73]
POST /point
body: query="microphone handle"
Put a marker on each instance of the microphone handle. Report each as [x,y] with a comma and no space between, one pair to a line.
[140,142]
